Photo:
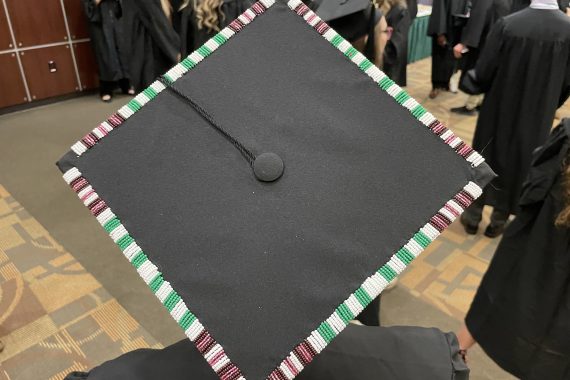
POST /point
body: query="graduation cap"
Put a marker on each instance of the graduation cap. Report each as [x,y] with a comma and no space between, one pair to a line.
[270,185]
[329,10]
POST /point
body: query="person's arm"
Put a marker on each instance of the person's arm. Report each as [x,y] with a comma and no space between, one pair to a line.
[473,30]
[490,58]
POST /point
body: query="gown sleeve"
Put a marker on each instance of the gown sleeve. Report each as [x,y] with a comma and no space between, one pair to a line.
[490,56]
[473,30]
[438,19]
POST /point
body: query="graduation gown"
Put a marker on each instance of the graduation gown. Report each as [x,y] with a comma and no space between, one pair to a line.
[484,14]
[165,42]
[521,313]
[525,72]
[139,47]
[107,38]
[358,353]
[442,21]
[412,8]
[396,52]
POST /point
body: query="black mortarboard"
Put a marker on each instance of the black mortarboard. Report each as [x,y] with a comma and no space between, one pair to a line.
[330,10]
[269,186]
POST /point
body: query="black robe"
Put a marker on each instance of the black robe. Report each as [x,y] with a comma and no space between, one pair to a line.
[396,52]
[525,72]
[484,14]
[412,8]
[443,22]
[107,38]
[358,353]
[140,46]
[521,313]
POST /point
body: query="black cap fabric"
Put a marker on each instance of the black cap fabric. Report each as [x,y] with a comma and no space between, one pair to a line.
[269,186]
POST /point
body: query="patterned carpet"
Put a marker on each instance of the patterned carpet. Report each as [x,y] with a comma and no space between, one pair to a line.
[54,316]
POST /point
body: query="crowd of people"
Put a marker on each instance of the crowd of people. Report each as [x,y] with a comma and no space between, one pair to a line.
[513,59]
[135,41]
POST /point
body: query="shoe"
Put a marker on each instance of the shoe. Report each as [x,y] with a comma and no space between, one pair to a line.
[464,111]
[434,93]
[492,231]
[106,98]
[470,229]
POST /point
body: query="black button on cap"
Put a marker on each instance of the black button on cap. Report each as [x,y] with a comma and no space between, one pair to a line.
[268,167]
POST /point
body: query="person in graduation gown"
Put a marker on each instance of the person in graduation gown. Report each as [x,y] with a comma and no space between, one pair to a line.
[519,5]
[524,71]
[443,28]
[395,60]
[358,353]
[521,313]
[484,14]
[204,18]
[153,43]
[108,42]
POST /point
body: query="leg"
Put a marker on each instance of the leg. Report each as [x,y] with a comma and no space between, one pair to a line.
[126,87]
[473,215]
[470,107]
[370,316]
[499,219]
[466,341]
[106,90]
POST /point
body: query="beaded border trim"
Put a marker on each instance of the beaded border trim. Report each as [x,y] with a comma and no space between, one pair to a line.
[304,352]
[115,120]
[194,330]
[386,84]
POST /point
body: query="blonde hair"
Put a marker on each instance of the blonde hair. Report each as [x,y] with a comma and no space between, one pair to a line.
[209,14]
[386,5]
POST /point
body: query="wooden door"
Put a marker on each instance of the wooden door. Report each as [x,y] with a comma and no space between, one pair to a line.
[37,22]
[11,79]
[5,38]
[76,19]
[86,65]
[49,71]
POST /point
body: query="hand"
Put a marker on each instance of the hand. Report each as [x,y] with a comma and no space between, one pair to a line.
[97,2]
[458,50]
[442,40]
[179,57]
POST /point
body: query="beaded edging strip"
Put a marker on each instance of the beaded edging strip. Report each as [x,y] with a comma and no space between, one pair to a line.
[194,330]
[115,120]
[306,351]
[386,84]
